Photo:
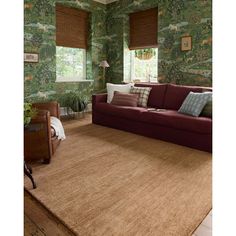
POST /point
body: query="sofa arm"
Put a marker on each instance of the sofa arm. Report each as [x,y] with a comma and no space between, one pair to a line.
[96,98]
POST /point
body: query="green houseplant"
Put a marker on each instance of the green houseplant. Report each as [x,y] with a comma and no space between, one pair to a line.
[145,54]
[29,113]
[75,100]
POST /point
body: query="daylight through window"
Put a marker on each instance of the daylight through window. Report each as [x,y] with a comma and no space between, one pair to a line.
[144,65]
[71,64]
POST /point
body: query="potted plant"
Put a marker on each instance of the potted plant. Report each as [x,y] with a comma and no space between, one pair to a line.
[29,113]
[76,101]
[145,54]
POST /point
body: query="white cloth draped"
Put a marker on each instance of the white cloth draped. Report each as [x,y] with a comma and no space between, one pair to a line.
[57,125]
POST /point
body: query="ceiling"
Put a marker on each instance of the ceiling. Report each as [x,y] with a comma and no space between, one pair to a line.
[105,1]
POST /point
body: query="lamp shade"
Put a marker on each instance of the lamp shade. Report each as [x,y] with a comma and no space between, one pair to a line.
[104,64]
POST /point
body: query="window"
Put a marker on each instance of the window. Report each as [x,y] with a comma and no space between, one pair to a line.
[70,64]
[143,45]
[144,65]
[71,41]
[143,29]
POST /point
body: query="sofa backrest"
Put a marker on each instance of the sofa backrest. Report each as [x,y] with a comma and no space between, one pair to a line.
[157,94]
[175,95]
[169,96]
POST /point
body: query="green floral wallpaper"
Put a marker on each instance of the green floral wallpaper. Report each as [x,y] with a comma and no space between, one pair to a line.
[109,39]
[176,18]
[39,37]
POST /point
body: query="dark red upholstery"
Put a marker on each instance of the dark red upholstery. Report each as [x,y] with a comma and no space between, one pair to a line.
[181,137]
[194,132]
[176,94]
[157,94]
[131,113]
[173,119]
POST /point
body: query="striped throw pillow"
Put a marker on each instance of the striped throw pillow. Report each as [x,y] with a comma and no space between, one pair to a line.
[143,95]
[194,103]
[125,99]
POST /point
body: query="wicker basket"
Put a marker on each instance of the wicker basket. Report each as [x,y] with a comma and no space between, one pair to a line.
[145,56]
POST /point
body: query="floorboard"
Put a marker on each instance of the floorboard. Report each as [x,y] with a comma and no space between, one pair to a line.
[40,222]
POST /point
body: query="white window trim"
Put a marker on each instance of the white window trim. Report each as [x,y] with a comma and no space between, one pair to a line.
[76,78]
[132,72]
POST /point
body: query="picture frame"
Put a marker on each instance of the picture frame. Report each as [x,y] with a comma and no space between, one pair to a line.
[186,43]
[31,57]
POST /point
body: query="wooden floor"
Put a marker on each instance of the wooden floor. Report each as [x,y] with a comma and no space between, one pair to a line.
[38,221]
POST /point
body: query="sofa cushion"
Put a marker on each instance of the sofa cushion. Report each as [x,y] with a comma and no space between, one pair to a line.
[194,103]
[175,95]
[157,94]
[207,110]
[173,119]
[131,113]
[125,99]
[143,93]
[111,88]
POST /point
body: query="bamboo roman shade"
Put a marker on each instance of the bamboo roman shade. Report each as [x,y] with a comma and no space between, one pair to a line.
[143,29]
[71,27]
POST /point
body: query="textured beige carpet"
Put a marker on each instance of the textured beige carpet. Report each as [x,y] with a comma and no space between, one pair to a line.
[104,181]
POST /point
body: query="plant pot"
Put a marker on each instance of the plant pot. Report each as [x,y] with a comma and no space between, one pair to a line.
[145,54]
[79,115]
[66,112]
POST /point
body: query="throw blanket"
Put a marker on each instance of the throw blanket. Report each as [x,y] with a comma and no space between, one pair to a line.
[57,125]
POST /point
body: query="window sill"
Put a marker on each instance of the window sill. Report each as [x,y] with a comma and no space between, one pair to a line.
[74,81]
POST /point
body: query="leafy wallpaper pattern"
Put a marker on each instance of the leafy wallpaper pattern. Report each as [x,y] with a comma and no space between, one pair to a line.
[40,36]
[109,39]
[176,18]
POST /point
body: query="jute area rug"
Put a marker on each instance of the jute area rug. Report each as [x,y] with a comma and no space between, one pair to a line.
[103,181]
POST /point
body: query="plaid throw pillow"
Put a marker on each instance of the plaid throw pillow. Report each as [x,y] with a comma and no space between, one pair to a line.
[143,95]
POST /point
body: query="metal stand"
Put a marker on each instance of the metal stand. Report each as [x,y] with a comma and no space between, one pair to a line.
[28,172]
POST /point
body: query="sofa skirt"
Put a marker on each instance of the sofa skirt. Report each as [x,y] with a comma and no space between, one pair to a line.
[198,141]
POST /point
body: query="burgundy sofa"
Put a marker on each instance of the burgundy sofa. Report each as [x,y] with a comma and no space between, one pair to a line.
[171,126]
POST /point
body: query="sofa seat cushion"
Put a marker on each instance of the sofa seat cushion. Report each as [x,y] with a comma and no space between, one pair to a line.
[173,119]
[131,113]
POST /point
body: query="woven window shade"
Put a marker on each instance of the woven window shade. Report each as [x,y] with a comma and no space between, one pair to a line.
[143,29]
[71,27]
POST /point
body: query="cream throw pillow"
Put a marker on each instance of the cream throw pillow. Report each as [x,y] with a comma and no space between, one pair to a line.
[111,88]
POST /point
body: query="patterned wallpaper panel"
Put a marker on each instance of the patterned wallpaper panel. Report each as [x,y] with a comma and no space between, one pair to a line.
[176,18]
[39,37]
[109,39]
